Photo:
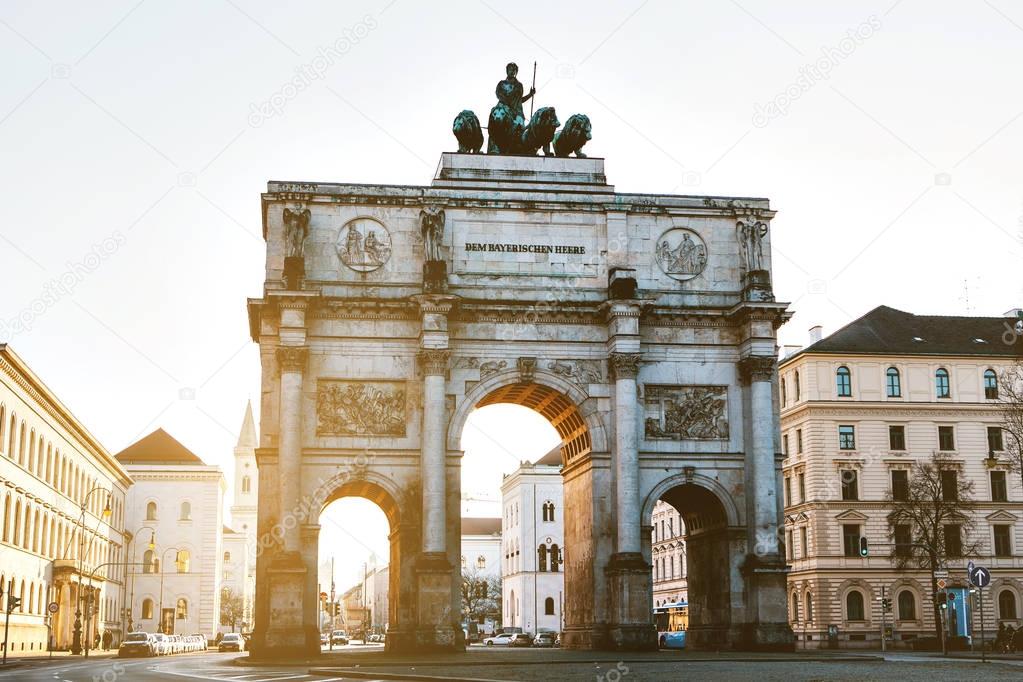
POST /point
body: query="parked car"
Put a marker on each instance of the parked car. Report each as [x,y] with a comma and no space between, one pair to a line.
[503,639]
[544,640]
[521,639]
[324,639]
[161,645]
[672,640]
[232,641]
[338,637]
[137,644]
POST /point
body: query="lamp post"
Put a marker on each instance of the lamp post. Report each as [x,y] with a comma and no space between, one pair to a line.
[134,551]
[76,642]
[177,553]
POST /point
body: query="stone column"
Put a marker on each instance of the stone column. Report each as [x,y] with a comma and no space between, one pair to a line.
[291,360]
[758,371]
[434,364]
[624,368]
[310,534]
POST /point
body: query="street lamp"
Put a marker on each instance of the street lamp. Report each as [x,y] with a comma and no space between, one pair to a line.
[131,592]
[177,564]
[76,642]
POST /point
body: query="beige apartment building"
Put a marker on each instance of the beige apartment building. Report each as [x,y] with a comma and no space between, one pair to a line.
[668,555]
[858,408]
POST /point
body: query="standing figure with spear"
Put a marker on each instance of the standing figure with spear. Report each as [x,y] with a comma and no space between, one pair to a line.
[510,92]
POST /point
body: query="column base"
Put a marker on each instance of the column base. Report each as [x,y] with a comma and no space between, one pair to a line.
[286,635]
[631,628]
[588,638]
[770,629]
[436,626]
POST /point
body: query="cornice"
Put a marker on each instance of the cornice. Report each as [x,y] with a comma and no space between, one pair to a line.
[888,410]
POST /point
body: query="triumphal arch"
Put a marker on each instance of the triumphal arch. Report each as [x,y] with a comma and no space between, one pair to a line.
[641,325]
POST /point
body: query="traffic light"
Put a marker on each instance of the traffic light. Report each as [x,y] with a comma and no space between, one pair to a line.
[12,603]
[886,605]
[337,608]
[940,597]
[863,546]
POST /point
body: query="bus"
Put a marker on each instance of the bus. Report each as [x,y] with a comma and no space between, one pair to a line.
[672,621]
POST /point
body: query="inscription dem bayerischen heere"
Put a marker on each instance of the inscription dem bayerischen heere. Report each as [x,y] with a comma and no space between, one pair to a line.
[524,248]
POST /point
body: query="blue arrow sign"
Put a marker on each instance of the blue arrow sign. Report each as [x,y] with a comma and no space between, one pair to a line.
[981,577]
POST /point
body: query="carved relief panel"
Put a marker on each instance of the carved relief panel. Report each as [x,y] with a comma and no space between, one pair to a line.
[686,412]
[360,408]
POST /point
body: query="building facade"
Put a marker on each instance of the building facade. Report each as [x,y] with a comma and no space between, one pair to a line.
[533,578]
[243,515]
[236,581]
[63,538]
[668,552]
[859,410]
[175,511]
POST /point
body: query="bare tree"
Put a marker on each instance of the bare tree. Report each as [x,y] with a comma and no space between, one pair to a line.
[1010,402]
[481,595]
[930,520]
[232,607]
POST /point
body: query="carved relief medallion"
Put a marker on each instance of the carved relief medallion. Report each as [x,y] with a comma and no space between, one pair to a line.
[364,244]
[360,408]
[686,412]
[681,253]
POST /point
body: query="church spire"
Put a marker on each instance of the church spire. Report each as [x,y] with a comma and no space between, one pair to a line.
[247,436]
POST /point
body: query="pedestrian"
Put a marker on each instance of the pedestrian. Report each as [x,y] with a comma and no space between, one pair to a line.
[108,638]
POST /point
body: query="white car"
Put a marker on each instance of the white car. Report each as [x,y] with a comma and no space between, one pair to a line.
[160,644]
[503,639]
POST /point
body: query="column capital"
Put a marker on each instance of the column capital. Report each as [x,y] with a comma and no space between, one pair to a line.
[292,358]
[624,365]
[434,360]
[757,368]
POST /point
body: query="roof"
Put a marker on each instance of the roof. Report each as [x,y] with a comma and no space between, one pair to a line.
[229,531]
[887,331]
[247,436]
[552,458]
[159,447]
[481,526]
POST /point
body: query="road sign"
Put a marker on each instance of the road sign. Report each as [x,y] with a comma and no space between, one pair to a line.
[941,583]
[981,577]
[53,607]
[941,573]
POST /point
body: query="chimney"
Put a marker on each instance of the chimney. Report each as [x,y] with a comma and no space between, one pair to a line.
[786,351]
[816,333]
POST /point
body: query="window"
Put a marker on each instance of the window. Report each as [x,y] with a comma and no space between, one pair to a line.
[151,511]
[953,540]
[900,485]
[903,540]
[990,385]
[994,439]
[788,545]
[801,477]
[785,444]
[846,437]
[854,605]
[843,382]
[227,557]
[182,609]
[907,605]
[949,485]
[799,441]
[804,545]
[850,484]
[896,437]
[246,484]
[788,491]
[555,558]
[946,438]
[186,511]
[784,393]
[999,492]
[893,383]
[851,540]
[1003,543]
[541,553]
[1006,605]
[794,614]
[147,609]
[183,561]
[147,561]
[796,382]
[809,608]
[548,606]
[481,562]
[941,389]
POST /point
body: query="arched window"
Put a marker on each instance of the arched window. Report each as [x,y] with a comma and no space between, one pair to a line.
[796,382]
[548,606]
[854,606]
[794,616]
[151,511]
[893,383]
[555,558]
[246,484]
[990,384]
[7,518]
[147,609]
[184,561]
[541,553]
[907,605]
[186,511]
[17,523]
[147,562]
[843,382]
[1007,605]
[481,562]
[227,557]
[784,394]
[941,388]
[182,609]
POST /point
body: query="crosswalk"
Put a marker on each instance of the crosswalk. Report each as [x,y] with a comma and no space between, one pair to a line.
[249,675]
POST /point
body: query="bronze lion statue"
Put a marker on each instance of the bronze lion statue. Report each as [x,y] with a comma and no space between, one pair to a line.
[540,132]
[504,132]
[571,138]
[468,132]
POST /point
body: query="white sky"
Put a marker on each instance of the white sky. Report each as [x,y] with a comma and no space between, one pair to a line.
[897,178]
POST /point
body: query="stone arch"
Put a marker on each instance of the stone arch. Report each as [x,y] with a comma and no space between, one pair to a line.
[565,405]
[733,515]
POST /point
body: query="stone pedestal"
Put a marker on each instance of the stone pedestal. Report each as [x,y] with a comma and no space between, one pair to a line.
[294,272]
[769,629]
[628,577]
[435,276]
[286,635]
[437,627]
